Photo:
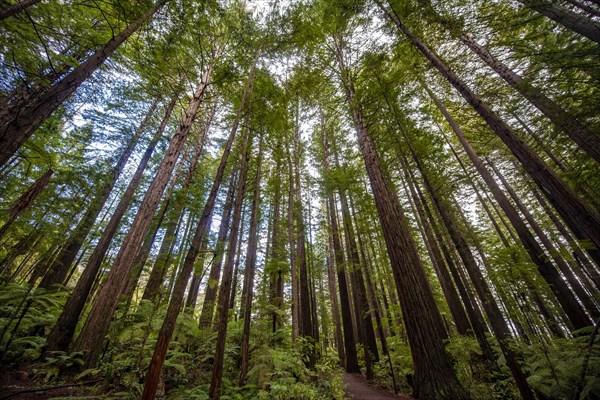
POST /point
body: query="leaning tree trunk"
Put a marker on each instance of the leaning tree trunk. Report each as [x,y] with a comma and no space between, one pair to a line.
[102,311]
[155,280]
[577,23]
[581,135]
[576,286]
[26,200]
[59,269]
[226,281]
[587,140]
[574,211]
[452,298]
[9,11]
[499,326]
[585,7]
[212,285]
[249,270]
[23,124]
[175,305]
[434,376]
[61,335]
[534,250]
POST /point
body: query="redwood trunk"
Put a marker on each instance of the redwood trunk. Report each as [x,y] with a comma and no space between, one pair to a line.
[59,270]
[452,298]
[586,139]
[359,290]
[351,358]
[303,284]
[577,23]
[61,335]
[349,341]
[16,8]
[574,211]
[23,124]
[102,311]
[226,281]
[157,275]
[293,245]
[536,253]
[434,376]
[212,285]
[250,269]
[499,326]
[569,303]
[168,326]
[26,200]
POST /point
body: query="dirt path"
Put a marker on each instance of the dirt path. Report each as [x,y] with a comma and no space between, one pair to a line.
[358,388]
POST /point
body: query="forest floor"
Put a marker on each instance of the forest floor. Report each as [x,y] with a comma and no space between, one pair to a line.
[358,388]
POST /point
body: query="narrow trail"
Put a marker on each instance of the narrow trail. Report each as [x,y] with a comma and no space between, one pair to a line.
[358,388]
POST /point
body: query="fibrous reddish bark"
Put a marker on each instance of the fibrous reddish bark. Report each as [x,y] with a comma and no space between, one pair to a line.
[98,321]
[434,377]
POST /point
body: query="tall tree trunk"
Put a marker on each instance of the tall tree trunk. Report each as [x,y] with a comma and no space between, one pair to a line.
[351,358]
[212,285]
[57,272]
[349,338]
[26,244]
[144,252]
[335,308]
[573,309]
[249,269]
[475,317]
[585,7]
[549,317]
[225,288]
[373,301]
[293,250]
[155,280]
[587,140]
[595,256]
[168,326]
[359,290]
[499,326]
[452,298]
[236,267]
[276,256]
[26,200]
[23,124]
[577,23]
[61,335]
[102,311]
[536,253]
[574,211]
[303,284]
[192,297]
[434,377]
[9,11]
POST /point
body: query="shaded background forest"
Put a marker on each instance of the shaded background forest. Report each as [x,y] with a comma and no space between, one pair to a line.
[204,199]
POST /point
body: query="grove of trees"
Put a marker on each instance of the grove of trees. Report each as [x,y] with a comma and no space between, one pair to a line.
[249,199]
